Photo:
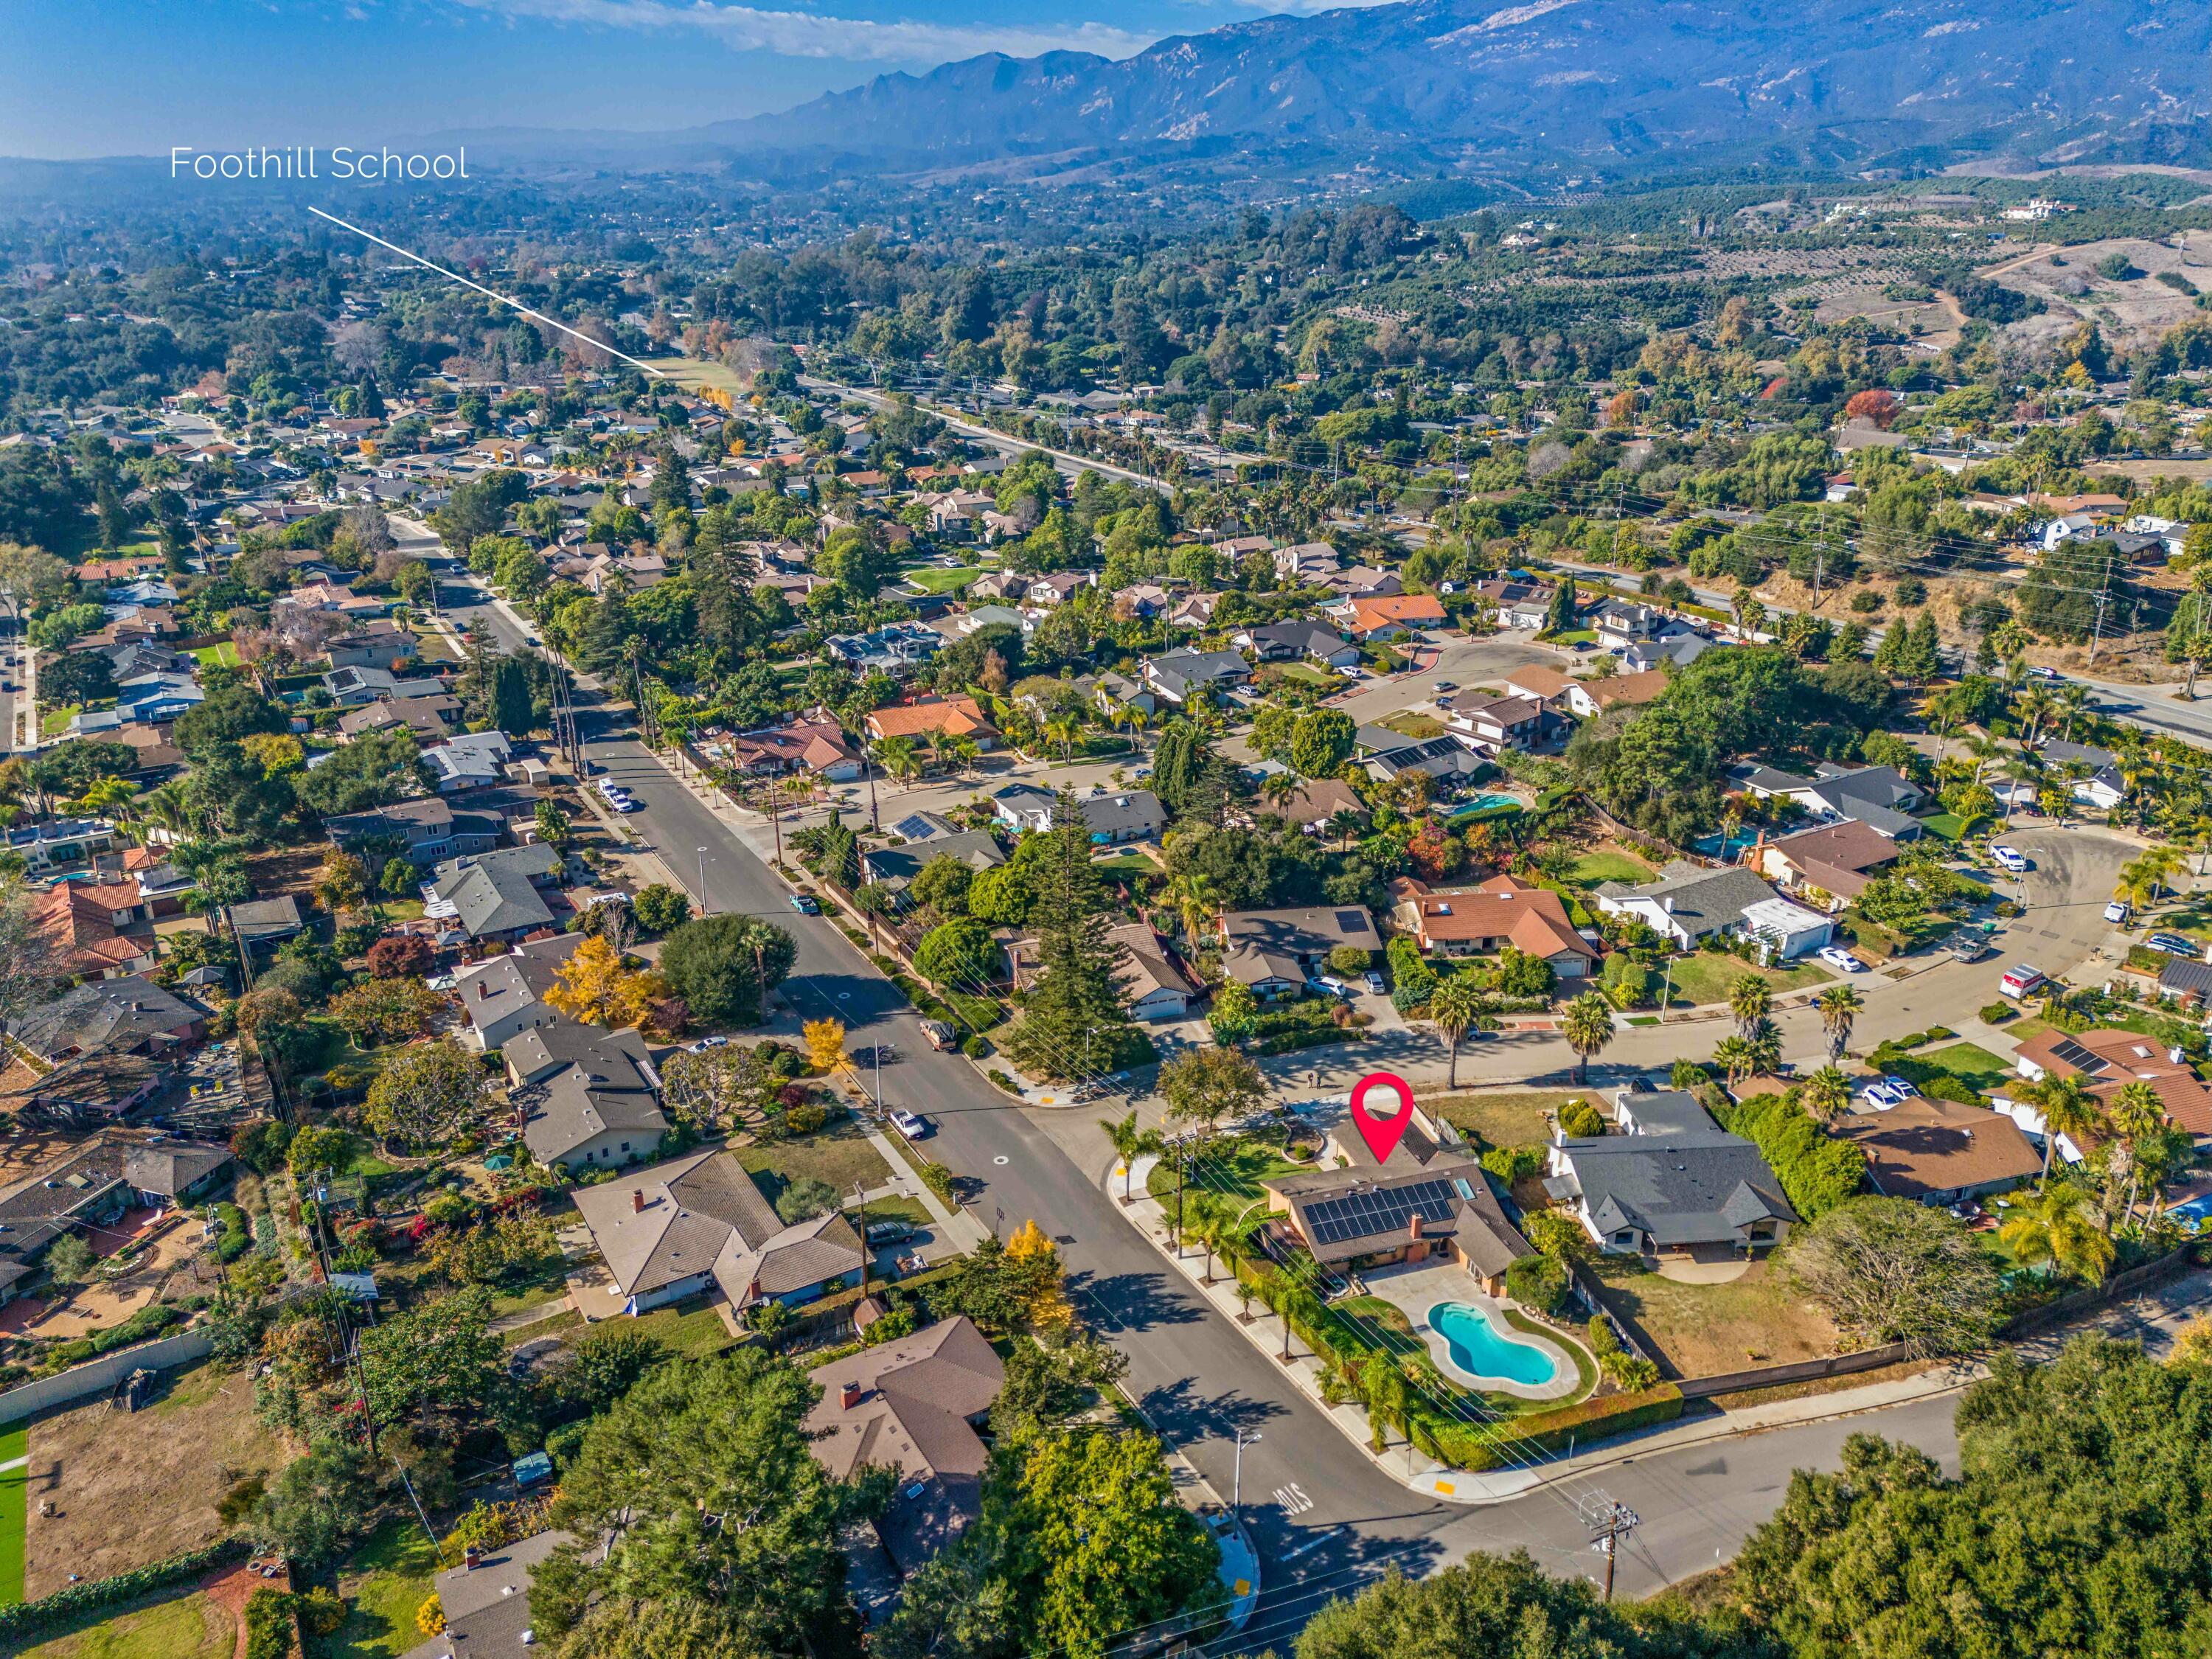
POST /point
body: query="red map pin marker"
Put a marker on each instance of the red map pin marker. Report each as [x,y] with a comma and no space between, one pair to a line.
[1382,1134]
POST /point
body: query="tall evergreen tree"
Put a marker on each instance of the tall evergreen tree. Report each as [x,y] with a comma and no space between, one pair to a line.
[1073,1021]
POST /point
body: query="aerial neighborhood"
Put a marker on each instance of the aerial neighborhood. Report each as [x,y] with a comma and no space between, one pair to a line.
[796,908]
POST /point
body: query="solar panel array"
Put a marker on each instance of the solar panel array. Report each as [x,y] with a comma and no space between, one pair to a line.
[2077,1056]
[1367,1215]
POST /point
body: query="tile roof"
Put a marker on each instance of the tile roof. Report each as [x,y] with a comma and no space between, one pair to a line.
[1530,919]
[957,716]
[1924,1146]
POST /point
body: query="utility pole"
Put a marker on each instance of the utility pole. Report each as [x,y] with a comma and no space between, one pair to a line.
[1819,563]
[2104,598]
[860,1202]
[1237,1499]
[1609,1521]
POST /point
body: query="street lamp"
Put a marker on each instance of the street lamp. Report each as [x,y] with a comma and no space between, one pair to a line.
[702,881]
[1237,1500]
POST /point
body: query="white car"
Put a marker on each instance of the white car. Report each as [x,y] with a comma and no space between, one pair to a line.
[2119,913]
[1885,1095]
[1842,960]
[705,1043]
[1329,985]
[626,804]
[2010,858]
[908,1124]
[609,788]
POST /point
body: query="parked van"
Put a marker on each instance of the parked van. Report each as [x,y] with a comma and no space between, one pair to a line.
[2020,982]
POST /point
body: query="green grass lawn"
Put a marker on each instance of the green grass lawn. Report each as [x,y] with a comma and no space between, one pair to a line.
[1593,869]
[1575,637]
[936,579]
[1947,826]
[183,1627]
[690,1329]
[55,721]
[384,1582]
[1418,726]
[1707,977]
[1976,1067]
[222,653]
[1306,671]
[1227,1169]
[1513,1119]
[840,1156]
[14,1503]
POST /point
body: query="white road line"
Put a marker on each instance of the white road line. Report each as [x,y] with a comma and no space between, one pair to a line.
[494,293]
[15,1463]
[1312,1543]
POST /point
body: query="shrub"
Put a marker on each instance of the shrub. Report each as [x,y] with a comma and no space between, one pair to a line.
[1947,1087]
[1486,1446]
[804,1198]
[1603,1339]
[403,956]
[805,1117]
[974,1045]
[233,1238]
[1537,1281]
[1817,1173]
[70,1605]
[1995,1013]
[1512,1163]
[1580,1118]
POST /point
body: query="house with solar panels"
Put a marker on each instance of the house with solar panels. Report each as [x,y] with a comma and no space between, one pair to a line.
[1352,1220]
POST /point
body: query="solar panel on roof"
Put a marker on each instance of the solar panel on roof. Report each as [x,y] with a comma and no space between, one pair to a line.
[2077,1056]
[1365,1215]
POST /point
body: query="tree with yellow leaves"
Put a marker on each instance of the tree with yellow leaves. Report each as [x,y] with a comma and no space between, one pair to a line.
[1038,1258]
[825,1043]
[595,988]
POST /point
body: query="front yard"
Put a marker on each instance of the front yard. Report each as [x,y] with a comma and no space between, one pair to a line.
[840,1156]
[1514,1118]
[1706,977]
[1705,1330]
[1977,1068]
[1595,869]
[1227,1169]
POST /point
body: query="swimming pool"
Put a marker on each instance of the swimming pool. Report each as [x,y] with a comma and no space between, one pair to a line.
[1479,807]
[1480,1352]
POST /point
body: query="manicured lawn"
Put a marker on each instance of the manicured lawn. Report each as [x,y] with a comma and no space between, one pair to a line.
[1593,869]
[384,1582]
[1415,725]
[1575,637]
[1947,826]
[1306,671]
[1976,1067]
[14,1502]
[1707,977]
[1514,1119]
[1227,1169]
[691,1329]
[185,1627]
[840,1156]
[56,721]
[222,653]
[1707,1330]
[936,579]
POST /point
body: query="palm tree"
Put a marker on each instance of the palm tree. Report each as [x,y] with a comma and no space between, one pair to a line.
[1344,824]
[1130,1144]
[1587,1024]
[1839,1006]
[1279,790]
[1751,998]
[1455,1006]
[2054,1226]
[2073,699]
[1765,1041]
[1733,1054]
[1825,1094]
[2067,1109]
[2138,1113]
[1983,750]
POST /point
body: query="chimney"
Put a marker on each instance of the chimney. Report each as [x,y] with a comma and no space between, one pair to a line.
[637,1200]
[1414,1226]
[471,1558]
[1669,902]
[483,990]
[849,1396]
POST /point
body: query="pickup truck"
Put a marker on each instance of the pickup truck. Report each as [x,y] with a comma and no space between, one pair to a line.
[939,1035]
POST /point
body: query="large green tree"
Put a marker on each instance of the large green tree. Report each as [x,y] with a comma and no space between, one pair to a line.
[722,966]
[1073,1022]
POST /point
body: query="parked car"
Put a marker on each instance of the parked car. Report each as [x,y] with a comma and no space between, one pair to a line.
[938,1034]
[1842,960]
[1967,946]
[883,1234]
[2173,945]
[1327,985]
[908,1124]
[2020,982]
[1447,685]
[609,787]
[806,904]
[2039,672]
[2119,913]
[1882,1095]
[705,1043]
[1374,981]
[2010,858]
[628,804]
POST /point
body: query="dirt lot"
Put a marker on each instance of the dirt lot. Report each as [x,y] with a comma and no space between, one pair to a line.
[1709,1329]
[129,1489]
[2142,306]
[163,1265]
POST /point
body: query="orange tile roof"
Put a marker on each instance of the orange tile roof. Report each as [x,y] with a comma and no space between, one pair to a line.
[1530,919]
[1396,608]
[956,717]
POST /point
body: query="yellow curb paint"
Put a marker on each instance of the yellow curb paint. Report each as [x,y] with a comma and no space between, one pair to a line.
[1445,1488]
[1243,1587]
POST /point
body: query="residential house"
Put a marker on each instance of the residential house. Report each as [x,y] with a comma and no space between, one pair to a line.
[1315,806]
[1273,953]
[432,718]
[1940,1151]
[1834,859]
[82,1190]
[257,922]
[895,650]
[1387,617]
[1112,820]
[2106,1061]
[1488,917]
[1619,623]
[496,894]
[432,831]
[912,1405]
[1309,564]
[173,1173]
[381,643]
[948,718]
[1363,581]
[894,868]
[469,760]
[1677,647]
[504,996]
[1288,642]
[350,688]
[485,1600]
[1153,981]
[1045,593]
[589,1098]
[1354,1219]
[1451,760]
[1505,722]
[816,746]
[1517,605]
[1591,697]
[1689,903]
[1111,692]
[976,618]
[2102,786]
[130,1015]
[93,930]
[153,699]
[1880,797]
[1184,677]
[1671,1195]
[1193,610]
[1545,686]
[1141,601]
[699,1222]
[1002,585]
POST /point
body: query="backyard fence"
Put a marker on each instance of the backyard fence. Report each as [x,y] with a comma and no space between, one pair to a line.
[99,1377]
[1798,1371]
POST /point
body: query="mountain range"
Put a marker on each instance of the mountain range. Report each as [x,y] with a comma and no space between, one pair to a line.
[1605,86]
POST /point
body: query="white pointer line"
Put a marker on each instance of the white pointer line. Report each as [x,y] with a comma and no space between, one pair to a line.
[489,293]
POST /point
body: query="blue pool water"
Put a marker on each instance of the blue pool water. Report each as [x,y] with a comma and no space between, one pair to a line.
[1479,804]
[1480,1350]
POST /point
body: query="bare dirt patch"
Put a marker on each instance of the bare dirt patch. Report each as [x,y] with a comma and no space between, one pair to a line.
[131,1488]
[1708,1330]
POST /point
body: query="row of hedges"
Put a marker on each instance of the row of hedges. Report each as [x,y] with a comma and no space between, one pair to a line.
[1515,1439]
[65,1606]
[234,1236]
[1817,1172]
[148,1322]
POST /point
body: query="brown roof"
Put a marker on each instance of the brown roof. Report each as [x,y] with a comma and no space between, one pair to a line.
[1836,857]
[2110,1059]
[1470,1215]
[955,716]
[1319,799]
[1924,1146]
[77,920]
[1530,919]
[1627,687]
[1539,682]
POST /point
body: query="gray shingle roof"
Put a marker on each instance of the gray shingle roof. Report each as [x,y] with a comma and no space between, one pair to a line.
[495,899]
[1697,1188]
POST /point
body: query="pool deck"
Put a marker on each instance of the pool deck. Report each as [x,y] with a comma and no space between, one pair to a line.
[1416,1290]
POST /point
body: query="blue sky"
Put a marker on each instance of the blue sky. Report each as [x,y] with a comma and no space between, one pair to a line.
[107,77]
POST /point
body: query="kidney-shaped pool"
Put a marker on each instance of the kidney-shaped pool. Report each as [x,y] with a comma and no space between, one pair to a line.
[1479,1349]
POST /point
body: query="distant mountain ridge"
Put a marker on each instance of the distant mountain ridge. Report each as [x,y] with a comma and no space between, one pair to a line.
[1606,84]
